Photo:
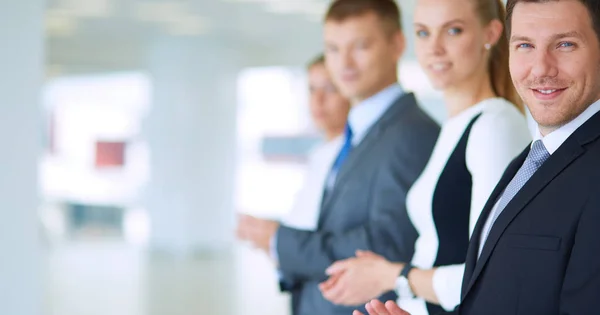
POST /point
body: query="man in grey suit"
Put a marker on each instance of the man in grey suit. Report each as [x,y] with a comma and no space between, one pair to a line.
[388,141]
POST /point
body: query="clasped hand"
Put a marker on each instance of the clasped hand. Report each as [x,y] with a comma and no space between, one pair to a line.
[356,280]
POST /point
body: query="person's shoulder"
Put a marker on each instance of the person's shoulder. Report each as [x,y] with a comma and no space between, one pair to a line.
[502,108]
[500,113]
[414,118]
[593,149]
[501,126]
[412,132]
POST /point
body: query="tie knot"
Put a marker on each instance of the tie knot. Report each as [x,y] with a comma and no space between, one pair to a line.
[538,153]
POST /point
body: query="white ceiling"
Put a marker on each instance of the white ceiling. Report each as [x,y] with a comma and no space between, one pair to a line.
[91,35]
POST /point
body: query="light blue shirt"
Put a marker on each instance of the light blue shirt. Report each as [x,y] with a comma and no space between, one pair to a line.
[361,118]
[365,114]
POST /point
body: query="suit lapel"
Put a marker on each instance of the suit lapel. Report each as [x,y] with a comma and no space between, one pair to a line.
[567,153]
[370,139]
[353,158]
[473,251]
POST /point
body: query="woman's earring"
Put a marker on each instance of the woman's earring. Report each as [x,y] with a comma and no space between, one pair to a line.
[488,46]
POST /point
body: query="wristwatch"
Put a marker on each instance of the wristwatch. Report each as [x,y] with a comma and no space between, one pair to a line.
[402,285]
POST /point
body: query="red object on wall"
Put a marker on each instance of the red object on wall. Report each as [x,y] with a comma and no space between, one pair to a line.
[110,154]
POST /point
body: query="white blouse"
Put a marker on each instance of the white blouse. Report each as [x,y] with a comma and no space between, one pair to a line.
[496,138]
[305,212]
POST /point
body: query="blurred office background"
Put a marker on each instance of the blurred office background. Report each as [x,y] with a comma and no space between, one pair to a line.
[133,131]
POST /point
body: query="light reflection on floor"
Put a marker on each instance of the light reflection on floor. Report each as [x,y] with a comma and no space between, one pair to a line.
[111,278]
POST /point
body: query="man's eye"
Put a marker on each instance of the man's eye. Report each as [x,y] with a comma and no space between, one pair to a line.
[422,33]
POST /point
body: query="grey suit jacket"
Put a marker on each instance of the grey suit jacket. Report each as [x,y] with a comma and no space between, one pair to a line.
[365,210]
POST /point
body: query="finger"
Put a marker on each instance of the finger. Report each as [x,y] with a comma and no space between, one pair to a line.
[258,228]
[259,223]
[379,308]
[336,292]
[244,223]
[250,220]
[244,217]
[361,253]
[251,236]
[338,267]
[394,309]
[365,253]
[249,231]
[327,284]
[333,294]
[242,232]
[253,230]
[356,312]
[371,309]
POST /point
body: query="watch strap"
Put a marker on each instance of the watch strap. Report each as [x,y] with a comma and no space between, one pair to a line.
[406,270]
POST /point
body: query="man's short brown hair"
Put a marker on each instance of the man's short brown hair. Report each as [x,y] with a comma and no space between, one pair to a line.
[387,11]
[593,7]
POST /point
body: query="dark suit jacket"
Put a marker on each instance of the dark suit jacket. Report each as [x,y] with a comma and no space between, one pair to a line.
[365,209]
[542,256]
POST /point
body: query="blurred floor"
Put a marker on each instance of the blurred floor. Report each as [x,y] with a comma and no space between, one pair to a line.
[112,278]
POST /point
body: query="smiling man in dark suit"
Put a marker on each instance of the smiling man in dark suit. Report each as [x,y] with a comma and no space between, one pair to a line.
[536,247]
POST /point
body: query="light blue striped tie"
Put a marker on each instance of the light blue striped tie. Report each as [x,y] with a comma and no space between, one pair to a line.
[536,157]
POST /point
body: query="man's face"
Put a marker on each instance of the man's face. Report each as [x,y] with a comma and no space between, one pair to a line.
[554,60]
[361,55]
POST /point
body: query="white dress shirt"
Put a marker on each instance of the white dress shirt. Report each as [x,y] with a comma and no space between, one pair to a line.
[304,214]
[552,142]
[496,138]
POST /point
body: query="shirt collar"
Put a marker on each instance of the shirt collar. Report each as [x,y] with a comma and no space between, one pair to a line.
[365,114]
[556,138]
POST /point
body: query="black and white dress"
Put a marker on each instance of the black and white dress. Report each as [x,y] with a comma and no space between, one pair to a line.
[470,156]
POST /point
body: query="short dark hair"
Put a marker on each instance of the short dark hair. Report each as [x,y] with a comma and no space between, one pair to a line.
[386,10]
[316,61]
[593,7]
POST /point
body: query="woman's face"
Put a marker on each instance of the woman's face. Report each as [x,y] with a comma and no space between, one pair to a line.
[328,107]
[450,41]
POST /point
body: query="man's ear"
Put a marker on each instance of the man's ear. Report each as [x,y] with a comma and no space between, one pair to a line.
[399,41]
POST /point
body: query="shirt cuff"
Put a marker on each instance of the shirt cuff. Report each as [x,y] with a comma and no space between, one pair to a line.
[273,248]
[403,289]
[274,255]
[447,283]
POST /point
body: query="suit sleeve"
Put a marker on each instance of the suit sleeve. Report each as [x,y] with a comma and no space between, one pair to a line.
[579,294]
[305,255]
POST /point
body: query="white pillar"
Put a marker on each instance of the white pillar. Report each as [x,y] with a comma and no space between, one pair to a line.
[21,64]
[191,133]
